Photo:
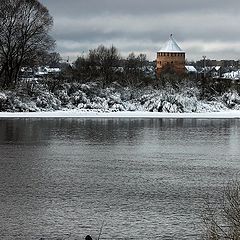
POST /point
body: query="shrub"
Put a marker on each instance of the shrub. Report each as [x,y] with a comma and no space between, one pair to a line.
[222,219]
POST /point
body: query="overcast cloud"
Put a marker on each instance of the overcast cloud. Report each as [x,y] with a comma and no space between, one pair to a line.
[207,27]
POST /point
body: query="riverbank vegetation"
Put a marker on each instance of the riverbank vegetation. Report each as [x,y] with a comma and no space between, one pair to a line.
[222,217]
[51,95]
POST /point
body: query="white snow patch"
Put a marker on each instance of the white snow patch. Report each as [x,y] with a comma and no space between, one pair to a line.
[125,114]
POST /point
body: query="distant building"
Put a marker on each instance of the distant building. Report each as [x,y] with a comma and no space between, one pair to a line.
[213,72]
[233,75]
[171,58]
[47,71]
[190,69]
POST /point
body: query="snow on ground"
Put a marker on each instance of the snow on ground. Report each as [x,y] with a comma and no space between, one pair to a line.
[90,100]
[123,114]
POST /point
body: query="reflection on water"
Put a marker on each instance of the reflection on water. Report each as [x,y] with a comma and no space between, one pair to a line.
[145,178]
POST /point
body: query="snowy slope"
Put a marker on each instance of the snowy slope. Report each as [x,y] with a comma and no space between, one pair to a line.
[90,97]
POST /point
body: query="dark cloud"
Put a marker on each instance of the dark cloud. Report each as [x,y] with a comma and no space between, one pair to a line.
[133,7]
[201,27]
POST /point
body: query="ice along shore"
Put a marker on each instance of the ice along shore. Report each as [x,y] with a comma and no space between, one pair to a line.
[121,114]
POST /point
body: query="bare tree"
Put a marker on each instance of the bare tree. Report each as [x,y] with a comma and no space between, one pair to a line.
[52,59]
[222,220]
[106,61]
[101,63]
[24,27]
[134,69]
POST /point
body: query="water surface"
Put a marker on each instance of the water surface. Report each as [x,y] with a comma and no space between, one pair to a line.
[141,178]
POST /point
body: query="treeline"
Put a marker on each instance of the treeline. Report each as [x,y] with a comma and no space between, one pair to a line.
[106,65]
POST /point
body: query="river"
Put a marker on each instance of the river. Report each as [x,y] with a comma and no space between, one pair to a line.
[135,178]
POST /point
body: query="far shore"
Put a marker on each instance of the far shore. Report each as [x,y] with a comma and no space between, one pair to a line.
[127,114]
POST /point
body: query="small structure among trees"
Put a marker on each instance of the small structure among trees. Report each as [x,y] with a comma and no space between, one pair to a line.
[170,59]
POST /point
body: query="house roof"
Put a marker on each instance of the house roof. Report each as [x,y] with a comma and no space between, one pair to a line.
[211,69]
[171,46]
[190,68]
[235,75]
[217,68]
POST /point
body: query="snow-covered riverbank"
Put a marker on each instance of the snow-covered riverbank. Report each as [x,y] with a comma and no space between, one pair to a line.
[136,114]
[90,100]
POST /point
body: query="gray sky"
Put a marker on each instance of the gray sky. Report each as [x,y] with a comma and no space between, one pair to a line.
[206,27]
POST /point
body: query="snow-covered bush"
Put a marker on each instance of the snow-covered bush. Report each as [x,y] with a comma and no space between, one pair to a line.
[21,106]
[3,100]
[78,97]
[231,99]
[48,102]
[63,96]
[90,96]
